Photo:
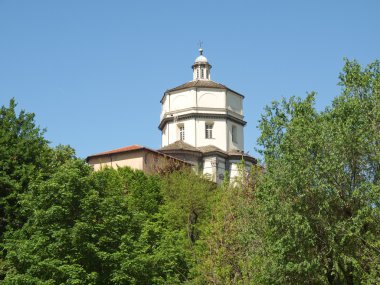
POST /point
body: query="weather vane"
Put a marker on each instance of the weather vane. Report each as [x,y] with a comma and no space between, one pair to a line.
[200,47]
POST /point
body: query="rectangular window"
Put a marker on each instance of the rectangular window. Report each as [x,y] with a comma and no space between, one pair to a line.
[209,127]
[202,73]
[181,130]
[234,134]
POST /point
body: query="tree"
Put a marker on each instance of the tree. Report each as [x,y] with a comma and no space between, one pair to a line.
[320,196]
[24,156]
[44,250]
[228,240]
[23,153]
[84,227]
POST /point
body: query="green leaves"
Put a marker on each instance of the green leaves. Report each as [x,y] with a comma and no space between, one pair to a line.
[320,190]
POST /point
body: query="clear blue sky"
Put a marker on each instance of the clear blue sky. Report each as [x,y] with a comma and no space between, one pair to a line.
[94,71]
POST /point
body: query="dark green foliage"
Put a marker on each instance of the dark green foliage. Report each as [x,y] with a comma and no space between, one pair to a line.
[25,157]
[24,153]
[83,228]
[320,196]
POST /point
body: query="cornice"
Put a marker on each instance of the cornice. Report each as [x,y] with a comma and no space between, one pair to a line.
[201,116]
[202,110]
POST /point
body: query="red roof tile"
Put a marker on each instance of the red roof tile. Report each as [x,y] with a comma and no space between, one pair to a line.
[119,150]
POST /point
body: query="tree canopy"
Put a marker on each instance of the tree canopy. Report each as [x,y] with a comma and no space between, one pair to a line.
[321,191]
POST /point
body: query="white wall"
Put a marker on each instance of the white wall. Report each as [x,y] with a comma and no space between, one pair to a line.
[234,102]
[218,133]
[170,133]
[239,145]
[195,133]
[182,99]
[214,98]
[235,171]
[214,167]
[209,101]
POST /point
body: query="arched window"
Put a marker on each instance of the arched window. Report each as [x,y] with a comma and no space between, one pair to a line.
[202,72]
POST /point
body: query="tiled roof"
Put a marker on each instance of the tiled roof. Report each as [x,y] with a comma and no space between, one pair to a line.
[236,152]
[179,145]
[210,148]
[202,83]
[240,154]
[119,150]
[133,148]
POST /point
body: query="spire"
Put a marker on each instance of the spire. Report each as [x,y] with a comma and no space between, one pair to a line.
[201,67]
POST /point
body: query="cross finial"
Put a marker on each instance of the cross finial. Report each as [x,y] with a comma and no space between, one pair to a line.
[200,47]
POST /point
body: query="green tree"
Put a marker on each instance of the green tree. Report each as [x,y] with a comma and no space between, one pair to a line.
[24,157]
[183,214]
[228,239]
[84,227]
[23,154]
[320,196]
[106,227]
[44,251]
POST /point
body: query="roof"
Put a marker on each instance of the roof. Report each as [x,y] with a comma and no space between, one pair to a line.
[119,150]
[210,148]
[179,145]
[203,84]
[242,155]
[182,146]
[132,148]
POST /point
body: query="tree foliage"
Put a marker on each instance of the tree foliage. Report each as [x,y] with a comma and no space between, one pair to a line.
[320,195]
[23,154]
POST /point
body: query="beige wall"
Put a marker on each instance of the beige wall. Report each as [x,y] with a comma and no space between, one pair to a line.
[145,160]
[132,159]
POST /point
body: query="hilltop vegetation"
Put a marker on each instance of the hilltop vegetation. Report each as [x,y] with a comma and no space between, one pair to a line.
[311,217]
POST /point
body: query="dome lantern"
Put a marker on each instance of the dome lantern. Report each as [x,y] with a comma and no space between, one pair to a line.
[201,67]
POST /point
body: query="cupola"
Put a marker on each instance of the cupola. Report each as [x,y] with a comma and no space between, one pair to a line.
[201,67]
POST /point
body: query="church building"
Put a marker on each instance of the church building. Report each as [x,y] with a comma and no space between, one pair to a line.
[202,125]
[202,122]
